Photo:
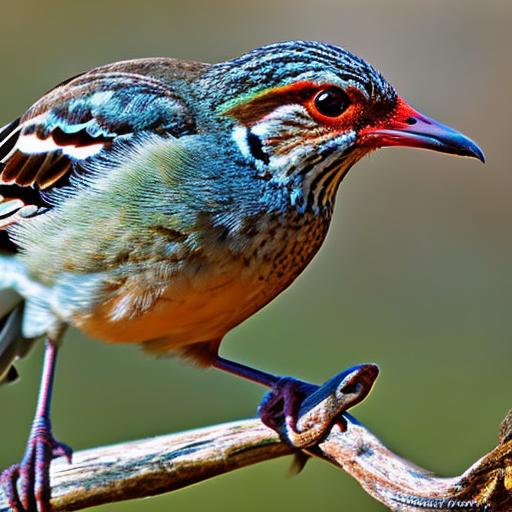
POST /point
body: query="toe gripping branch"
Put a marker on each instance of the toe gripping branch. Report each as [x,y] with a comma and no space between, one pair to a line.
[303,413]
[314,420]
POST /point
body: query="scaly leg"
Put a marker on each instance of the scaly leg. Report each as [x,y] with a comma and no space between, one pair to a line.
[34,469]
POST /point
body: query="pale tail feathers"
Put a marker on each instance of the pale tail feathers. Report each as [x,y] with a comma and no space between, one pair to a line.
[12,344]
[15,343]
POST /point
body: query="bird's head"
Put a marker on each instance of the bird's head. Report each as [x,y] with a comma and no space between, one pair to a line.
[302,113]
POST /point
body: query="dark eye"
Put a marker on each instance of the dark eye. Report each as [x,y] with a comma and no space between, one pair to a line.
[332,102]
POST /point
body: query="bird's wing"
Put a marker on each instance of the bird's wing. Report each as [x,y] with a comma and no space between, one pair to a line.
[77,120]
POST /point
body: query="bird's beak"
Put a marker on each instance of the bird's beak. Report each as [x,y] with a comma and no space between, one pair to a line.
[407,127]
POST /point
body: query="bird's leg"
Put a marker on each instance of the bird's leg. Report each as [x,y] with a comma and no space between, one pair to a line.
[246,372]
[286,396]
[34,469]
[302,412]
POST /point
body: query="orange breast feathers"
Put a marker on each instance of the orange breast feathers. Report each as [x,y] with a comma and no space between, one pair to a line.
[202,302]
[190,310]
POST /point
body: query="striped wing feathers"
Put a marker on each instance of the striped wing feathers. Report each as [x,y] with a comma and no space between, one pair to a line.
[75,122]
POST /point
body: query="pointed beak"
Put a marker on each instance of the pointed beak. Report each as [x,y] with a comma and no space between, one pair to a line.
[407,127]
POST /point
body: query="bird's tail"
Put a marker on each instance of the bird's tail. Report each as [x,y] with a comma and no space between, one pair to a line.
[12,343]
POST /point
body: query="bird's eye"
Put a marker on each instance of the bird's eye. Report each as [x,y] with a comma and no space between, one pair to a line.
[332,102]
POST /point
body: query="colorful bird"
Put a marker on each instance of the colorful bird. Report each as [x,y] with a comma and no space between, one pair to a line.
[163,202]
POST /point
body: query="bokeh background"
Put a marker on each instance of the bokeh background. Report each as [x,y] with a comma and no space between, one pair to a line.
[415,274]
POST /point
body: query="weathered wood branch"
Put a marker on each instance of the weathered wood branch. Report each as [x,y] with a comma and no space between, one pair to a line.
[166,463]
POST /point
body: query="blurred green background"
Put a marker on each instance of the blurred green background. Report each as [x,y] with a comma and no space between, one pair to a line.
[415,274]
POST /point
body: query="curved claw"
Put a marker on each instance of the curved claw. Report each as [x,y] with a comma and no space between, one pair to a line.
[62,450]
[8,481]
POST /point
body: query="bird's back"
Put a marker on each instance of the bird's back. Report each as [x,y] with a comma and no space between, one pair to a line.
[42,151]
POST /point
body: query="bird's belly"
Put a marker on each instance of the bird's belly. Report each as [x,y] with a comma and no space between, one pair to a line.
[186,312]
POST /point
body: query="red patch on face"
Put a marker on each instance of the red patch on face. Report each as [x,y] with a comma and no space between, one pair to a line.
[405,126]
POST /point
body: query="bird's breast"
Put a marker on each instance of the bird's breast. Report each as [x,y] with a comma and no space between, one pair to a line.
[207,298]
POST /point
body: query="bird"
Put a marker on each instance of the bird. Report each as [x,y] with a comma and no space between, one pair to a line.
[162,202]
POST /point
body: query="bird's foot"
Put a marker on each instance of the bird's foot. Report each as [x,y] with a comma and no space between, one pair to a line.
[33,472]
[303,413]
[280,407]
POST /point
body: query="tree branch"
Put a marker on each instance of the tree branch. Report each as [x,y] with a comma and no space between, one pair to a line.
[166,463]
